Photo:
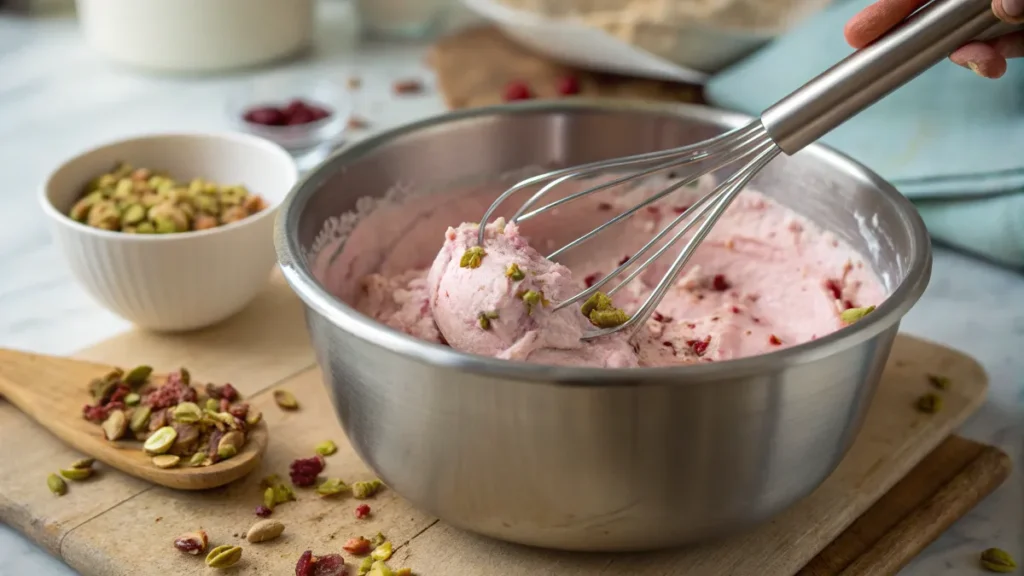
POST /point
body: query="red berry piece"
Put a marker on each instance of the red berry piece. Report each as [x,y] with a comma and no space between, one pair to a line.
[568,85]
[267,116]
[517,90]
[362,511]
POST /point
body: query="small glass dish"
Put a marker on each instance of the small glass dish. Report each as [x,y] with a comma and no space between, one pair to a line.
[300,139]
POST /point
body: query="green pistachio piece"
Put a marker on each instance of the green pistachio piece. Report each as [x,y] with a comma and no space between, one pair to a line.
[379,568]
[597,301]
[363,490]
[331,487]
[104,215]
[377,539]
[484,319]
[365,566]
[233,440]
[283,493]
[326,448]
[138,375]
[382,552]
[56,485]
[123,188]
[140,419]
[225,452]
[472,258]
[83,463]
[608,318]
[168,218]
[145,228]
[208,204]
[166,461]
[132,399]
[854,314]
[285,399]
[197,459]
[115,426]
[133,214]
[80,211]
[253,417]
[929,403]
[161,440]
[187,413]
[224,556]
[77,474]
[532,298]
[997,560]
[269,498]
[514,272]
[940,382]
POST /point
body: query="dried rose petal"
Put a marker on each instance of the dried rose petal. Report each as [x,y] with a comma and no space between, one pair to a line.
[304,471]
[304,567]
[358,546]
[568,86]
[659,317]
[262,511]
[774,340]
[719,283]
[329,565]
[517,90]
[362,511]
[699,347]
[591,279]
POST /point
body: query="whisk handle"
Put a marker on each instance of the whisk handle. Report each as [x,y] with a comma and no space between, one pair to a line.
[871,73]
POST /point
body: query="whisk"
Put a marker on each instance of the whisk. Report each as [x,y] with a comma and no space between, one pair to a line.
[855,83]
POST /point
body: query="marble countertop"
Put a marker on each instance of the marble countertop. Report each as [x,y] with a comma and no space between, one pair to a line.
[57,98]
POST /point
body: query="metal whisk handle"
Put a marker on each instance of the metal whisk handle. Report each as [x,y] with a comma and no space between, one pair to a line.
[871,73]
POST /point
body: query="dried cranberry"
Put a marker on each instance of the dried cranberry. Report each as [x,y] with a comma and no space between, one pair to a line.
[735,310]
[591,279]
[659,317]
[304,567]
[362,511]
[667,343]
[302,116]
[262,511]
[229,393]
[358,546]
[568,85]
[624,259]
[719,283]
[680,209]
[603,206]
[517,90]
[834,288]
[304,471]
[654,210]
[94,413]
[240,411]
[267,116]
[774,340]
[119,394]
[699,347]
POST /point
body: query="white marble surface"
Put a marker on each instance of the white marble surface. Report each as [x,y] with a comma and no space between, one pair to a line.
[56,98]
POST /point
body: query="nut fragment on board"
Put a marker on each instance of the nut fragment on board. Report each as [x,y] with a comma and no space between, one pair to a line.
[166,461]
[332,487]
[56,485]
[326,565]
[368,489]
[285,400]
[115,425]
[224,556]
[264,530]
[326,448]
[76,474]
[193,543]
[997,560]
[939,381]
[930,403]
[83,463]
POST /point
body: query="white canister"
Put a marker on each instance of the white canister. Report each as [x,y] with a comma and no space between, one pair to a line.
[196,35]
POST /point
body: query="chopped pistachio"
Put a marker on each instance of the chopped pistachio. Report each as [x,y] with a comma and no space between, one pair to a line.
[166,461]
[597,301]
[138,375]
[608,318]
[187,413]
[132,399]
[472,258]
[285,400]
[56,485]
[377,539]
[197,459]
[855,314]
[77,474]
[939,381]
[115,425]
[224,556]
[363,490]
[532,298]
[140,419]
[269,498]
[514,272]
[997,560]
[379,568]
[326,448]
[161,440]
[382,552]
[83,463]
[484,319]
[331,487]
[929,403]
[225,452]
[365,566]
[211,405]
[253,417]
[283,493]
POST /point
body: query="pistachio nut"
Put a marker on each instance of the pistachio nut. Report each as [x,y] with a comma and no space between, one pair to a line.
[56,485]
[104,215]
[233,214]
[224,556]
[264,530]
[133,214]
[160,441]
[940,382]
[168,218]
[205,222]
[187,440]
[283,493]
[225,452]
[365,566]
[363,490]
[115,425]
[472,257]
[331,487]
[145,228]
[234,439]
[76,474]
[132,399]
[382,552]
[378,539]
[187,413]
[379,568]
[80,211]
[997,560]
[123,188]
[197,459]
[929,403]
[140,419]
[138,375]
[253,417]
[269,498]
[212,405]
[166,461]
[83,463]
[855,314]
[326,448]
[208,204]
[285,399]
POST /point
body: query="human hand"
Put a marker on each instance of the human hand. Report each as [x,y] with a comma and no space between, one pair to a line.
[987,59]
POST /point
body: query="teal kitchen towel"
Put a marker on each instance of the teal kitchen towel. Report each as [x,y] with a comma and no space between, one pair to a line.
[950,141]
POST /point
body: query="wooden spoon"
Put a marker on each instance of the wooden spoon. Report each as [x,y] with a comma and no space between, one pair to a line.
[52,390]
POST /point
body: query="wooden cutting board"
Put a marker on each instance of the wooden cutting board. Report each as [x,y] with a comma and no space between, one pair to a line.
[115,525]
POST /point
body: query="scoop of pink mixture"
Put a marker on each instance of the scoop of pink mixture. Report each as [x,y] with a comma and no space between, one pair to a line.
[498,302]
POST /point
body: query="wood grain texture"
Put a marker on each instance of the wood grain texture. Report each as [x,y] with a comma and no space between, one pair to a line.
[57,406]
[474,66]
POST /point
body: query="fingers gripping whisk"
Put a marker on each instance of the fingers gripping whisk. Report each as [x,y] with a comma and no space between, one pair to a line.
[748,147]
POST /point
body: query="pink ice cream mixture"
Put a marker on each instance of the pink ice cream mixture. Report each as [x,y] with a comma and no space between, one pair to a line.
[764,279]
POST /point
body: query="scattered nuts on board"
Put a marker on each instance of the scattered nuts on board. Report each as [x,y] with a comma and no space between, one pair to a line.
[193,543]
[76,474]
[264,531]
[296,112]
[275,492]
[224,556]
[940,382]
[141,201]
[168,418]
[327,565]
[362,490]
[997,560]
[929,403]
[56,485]
[286,400]
[332,487]
[326,448]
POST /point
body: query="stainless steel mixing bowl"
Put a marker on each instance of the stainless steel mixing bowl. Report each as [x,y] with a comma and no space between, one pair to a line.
[588,458]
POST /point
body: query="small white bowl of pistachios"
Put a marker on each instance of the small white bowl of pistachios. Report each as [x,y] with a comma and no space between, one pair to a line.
[172,232]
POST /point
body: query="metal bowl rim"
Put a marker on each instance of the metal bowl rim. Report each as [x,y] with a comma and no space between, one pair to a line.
[343,316]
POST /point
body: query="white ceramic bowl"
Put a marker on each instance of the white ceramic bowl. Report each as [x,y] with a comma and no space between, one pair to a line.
[196,35]
[174,282]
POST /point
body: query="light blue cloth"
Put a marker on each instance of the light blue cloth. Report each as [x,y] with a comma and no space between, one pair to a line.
[950,141]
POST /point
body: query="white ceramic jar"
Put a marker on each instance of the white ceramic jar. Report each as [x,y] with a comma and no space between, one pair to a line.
[196,35]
